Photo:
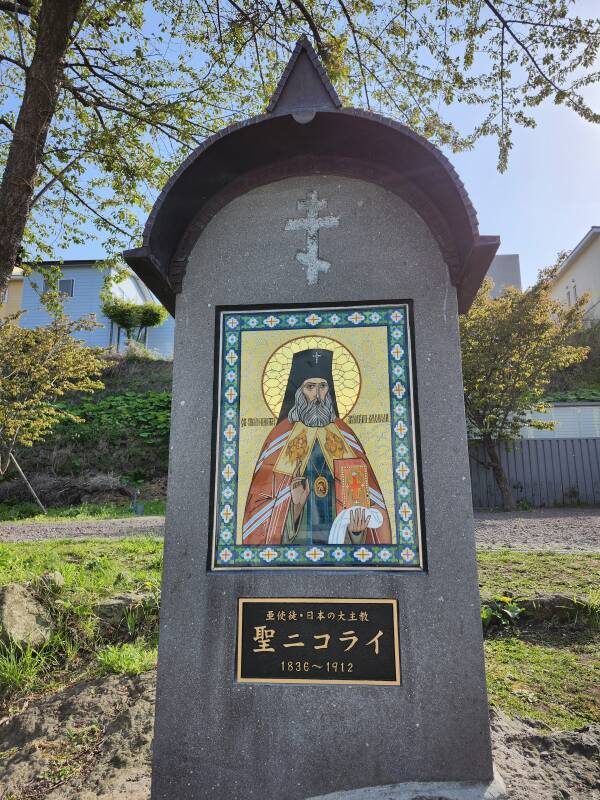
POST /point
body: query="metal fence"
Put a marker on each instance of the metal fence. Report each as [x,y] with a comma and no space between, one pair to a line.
[543,472]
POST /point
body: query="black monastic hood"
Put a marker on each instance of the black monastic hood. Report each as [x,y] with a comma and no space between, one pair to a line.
[313,363]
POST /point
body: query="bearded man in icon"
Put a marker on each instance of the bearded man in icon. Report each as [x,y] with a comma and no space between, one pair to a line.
[313,483]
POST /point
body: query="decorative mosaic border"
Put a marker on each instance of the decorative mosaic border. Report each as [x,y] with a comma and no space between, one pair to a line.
[407,553]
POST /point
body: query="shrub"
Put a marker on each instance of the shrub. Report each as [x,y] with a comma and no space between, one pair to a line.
[129,416]
[136,351]
[134,316]
[37,366]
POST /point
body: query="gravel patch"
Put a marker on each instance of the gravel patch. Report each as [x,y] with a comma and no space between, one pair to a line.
[538,764]
[81,529]
[542,529]
[564,529]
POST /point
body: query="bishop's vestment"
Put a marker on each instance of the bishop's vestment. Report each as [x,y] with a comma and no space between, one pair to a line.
[333,462]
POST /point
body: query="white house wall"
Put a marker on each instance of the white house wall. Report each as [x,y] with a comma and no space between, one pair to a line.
[505,271]
[580,421]
[130,289]
[583,275]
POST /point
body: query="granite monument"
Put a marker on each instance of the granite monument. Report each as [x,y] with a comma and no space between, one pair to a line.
[320,625]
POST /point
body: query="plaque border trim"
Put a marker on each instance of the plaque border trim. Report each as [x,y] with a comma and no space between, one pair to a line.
[323,681]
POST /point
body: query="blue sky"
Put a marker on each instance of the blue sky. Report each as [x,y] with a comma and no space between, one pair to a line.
[550,195]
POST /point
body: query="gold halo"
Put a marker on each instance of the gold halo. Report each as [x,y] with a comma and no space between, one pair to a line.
[346,374]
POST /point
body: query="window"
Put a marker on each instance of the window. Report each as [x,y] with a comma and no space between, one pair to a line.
[3,296]
[65,286]
[568,297]
[574,293]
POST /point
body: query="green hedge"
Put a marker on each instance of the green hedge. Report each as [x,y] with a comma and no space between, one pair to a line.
[583,395]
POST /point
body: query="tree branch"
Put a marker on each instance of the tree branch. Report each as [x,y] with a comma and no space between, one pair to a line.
[60,179]
[535,24]
[506,26]
[313,27]
[14,61]
[350,22]
[21,7]
[55,178]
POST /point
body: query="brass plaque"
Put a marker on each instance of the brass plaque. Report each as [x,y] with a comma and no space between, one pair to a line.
[318,640]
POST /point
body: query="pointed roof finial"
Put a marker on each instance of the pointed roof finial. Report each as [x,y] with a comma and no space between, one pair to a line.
[304,87]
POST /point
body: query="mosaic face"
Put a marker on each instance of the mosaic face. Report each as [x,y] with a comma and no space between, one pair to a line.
[315,447]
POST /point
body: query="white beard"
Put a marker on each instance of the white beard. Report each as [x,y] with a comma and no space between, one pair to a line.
[317,414]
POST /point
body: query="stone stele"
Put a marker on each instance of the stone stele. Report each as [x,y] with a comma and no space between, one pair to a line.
[400,225]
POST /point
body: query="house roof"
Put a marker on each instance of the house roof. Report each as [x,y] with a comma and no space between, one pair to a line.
[90,263]
[68,262]
[578,250]
[306,131]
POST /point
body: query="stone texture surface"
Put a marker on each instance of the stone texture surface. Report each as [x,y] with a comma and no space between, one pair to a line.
[558,607]
[22,618]
[54,581]
[110,610]
[218,739]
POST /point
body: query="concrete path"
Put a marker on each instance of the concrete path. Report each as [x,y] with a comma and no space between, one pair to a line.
[543,529]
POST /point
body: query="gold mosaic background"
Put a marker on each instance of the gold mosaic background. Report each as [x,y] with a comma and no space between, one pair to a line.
[364,347]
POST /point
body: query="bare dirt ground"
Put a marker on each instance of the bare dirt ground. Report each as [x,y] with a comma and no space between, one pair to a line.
[551,529]
[48,750]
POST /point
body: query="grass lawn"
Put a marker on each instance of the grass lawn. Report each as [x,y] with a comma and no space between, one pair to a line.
[549,673]
[92,568]
[526,574]
[30,512]
[552,676]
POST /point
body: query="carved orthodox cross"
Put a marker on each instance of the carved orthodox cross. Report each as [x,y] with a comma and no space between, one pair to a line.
[312,224]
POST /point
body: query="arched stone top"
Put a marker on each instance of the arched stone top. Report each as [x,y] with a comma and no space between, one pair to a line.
[294,140]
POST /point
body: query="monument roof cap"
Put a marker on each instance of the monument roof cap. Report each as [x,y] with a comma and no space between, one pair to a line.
[306,131]
[304,84]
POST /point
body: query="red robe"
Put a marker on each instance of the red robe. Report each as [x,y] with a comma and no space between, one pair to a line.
[269,496]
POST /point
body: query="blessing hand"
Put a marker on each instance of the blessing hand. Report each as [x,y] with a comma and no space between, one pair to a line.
[359,520]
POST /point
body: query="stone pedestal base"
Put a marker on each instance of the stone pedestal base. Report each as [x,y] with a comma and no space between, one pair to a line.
[496,790]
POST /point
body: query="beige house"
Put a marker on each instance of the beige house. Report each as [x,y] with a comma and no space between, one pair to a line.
[11,298]
[581,273]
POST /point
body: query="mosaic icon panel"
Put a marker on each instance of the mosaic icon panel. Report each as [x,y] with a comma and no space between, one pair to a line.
[315,451]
